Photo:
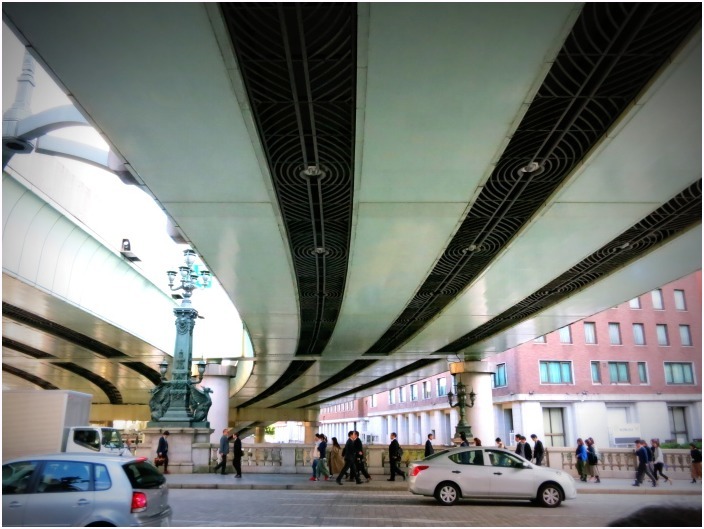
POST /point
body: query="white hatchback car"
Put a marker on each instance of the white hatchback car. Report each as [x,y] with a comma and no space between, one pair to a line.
[488,473]
[80,489]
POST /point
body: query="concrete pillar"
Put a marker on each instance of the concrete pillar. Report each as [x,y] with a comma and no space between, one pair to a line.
[259,434]
[217,377]
[309,429]
[440,432]
[481,417]
[426,424]
[413,433]
[404,431]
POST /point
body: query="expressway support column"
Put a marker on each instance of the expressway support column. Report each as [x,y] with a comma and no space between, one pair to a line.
[217,377]
[476,376]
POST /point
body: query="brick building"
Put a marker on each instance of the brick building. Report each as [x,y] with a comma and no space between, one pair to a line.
[632,370]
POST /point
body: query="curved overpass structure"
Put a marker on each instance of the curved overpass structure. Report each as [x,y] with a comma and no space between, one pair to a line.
[379,187]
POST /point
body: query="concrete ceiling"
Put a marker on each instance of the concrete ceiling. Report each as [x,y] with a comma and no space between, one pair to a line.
[422,118]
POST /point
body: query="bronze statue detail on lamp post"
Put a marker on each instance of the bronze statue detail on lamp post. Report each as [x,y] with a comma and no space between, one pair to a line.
[461,403]
[178,402]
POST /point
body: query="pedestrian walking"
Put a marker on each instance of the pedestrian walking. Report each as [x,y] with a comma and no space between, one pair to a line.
[361,459]
[315,456]
[519,446]
[237,454]
[581,455]
[350,460]
[223,450]
[696,456]
[643,455]
[335,460]
[538,450]
[395,454]
[592,460]
[527,452]
[429,450]
[658,460]
[162,450]
[499,443]
[322,458]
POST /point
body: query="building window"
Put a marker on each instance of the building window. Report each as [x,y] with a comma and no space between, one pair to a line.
[565,335]
[401,394]
[442,386]
[500,376]
[392,396]
[414,392]
[554,427]
[685,336]
[634,303]
[618,372]
[642,373]
[372,401]
[638,334]
[678,424]
[657,299]
[540,339]
[680,303]
[596,373]
[615,333]
[661,329]
[426,389]
[556,372]
[589,332]
[679,373]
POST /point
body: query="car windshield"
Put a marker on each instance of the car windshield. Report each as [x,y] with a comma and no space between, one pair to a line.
[112,438]
[143,475]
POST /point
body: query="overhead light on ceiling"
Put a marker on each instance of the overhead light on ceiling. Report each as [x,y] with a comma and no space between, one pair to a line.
[126,251]
[532,167]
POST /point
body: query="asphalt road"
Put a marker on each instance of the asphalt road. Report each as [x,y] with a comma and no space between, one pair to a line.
[351,507]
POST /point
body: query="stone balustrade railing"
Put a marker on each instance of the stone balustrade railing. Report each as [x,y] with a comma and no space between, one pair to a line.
[292,458]
[296,459]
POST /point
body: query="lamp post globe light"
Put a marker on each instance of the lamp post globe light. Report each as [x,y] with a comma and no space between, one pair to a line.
[461,403]
[178,402]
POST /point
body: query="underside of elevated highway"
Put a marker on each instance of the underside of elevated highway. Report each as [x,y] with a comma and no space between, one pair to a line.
[379,188]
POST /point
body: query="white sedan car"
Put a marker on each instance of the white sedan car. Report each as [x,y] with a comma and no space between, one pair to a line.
[488,473]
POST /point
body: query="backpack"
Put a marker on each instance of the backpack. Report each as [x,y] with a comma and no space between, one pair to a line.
[399,454]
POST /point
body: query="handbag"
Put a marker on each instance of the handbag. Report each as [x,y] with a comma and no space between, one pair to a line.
[159,461]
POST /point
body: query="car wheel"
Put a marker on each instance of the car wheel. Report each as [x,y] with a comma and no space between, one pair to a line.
[549,495]
[447,493]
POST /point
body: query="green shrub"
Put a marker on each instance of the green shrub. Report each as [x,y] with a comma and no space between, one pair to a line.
[677,445]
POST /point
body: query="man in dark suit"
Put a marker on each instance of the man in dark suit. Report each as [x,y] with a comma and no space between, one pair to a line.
[538,450]
[429,450]
[237,455]
[359,455]
[519,446]
[527,452]
[350,459]
[162,450]
[395,459]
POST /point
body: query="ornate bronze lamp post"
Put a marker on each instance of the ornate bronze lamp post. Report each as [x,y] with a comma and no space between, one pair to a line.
[178,402]
[461,403]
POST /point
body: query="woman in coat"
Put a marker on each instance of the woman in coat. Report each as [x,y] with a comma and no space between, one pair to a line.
[335,460]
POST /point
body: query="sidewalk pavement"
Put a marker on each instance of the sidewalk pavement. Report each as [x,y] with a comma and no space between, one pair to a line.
[380,483]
